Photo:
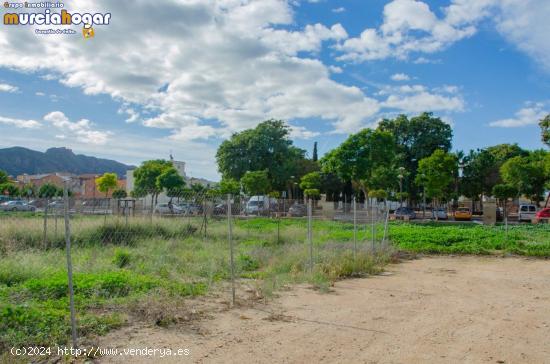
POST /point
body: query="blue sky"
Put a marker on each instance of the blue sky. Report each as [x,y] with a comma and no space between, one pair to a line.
[198,71]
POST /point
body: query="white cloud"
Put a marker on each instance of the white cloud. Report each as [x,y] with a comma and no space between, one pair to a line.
[335,69]
[4,87]
[411,27]
[341,9]
[132,114]
[226,60]
[208,69]
[20,123]
[80,130]
[419,98]
[525,24]
[39,93]
[301,132]
[531,114]
[400,77]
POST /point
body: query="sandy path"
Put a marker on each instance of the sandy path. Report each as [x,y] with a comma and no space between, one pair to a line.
[436,310]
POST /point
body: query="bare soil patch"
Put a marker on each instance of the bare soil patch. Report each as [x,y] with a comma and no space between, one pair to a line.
[434,309]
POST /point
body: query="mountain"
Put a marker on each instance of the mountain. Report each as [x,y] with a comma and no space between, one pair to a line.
[18,160]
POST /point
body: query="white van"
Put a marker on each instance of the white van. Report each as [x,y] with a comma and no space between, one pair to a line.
[260,205]
[527,212]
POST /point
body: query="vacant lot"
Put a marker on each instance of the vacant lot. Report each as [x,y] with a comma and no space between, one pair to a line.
[146,272]
[432,310]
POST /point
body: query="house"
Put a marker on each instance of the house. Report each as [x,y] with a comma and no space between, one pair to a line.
[82,186]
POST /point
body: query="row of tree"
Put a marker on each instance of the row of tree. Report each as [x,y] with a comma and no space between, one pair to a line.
[404,157]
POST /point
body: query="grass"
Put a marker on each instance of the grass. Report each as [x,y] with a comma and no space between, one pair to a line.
[527,240]
[146,269]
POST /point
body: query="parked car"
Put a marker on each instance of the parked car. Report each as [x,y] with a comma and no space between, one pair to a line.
[221,209]
[526,212]
[463,214]
[403,212]
[297,210]
[439,214]
[56,205]
[166,209]
[4,198]
[189,208]
[17,206]
[543,215]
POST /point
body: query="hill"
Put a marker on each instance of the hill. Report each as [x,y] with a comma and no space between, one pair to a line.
[18,160]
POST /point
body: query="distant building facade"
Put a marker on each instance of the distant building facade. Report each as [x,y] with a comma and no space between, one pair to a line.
[82,186]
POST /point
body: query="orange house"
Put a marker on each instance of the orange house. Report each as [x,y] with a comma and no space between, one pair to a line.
[89,188]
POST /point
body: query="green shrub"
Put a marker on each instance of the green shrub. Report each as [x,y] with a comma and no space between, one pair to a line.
[109,284]
[121,258]
[247,263]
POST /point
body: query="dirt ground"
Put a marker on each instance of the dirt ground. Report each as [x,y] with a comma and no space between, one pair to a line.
[430,310]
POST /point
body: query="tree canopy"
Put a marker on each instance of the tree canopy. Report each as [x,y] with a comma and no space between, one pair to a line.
[436,173]
[417,138]
[256,183]
[106,183]
[366,158]
[266,147]
[527,174]
[545,129]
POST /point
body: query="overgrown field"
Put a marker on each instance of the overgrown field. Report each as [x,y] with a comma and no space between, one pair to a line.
[145,269]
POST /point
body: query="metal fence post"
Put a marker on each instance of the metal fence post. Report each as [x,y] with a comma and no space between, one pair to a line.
[232,258]
[386,224]
[354,228]
[373,225]
[309,233]
[45,236]
[69,262]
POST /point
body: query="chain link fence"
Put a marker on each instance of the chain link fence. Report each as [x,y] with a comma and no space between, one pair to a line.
[242,233]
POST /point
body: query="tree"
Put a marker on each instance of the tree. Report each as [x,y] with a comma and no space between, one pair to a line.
[171,181]
[256,183]
[229,186]
[266,147]
[364,158]
[315,155]
[3,177]
[436,173]
[106,183]
[417,138]
[145,179]
[545,129]
[119,194]
[527,174]
[482,169]
[312,193]
[48,191]
[504,191]
[9,189]
[311,181]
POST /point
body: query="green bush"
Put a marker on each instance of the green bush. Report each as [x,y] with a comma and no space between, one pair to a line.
[247,263]
[121,258]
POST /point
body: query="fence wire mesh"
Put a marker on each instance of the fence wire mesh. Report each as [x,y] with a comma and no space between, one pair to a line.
[179,244]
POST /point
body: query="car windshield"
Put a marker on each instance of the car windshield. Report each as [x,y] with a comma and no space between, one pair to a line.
[463,210]
[255,203]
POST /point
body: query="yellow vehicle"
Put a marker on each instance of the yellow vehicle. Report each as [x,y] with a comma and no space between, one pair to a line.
[463,213]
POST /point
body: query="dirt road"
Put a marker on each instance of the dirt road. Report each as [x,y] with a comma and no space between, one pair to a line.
[431,310]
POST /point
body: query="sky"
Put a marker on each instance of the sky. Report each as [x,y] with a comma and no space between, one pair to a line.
[180,76]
